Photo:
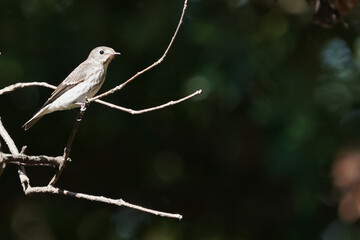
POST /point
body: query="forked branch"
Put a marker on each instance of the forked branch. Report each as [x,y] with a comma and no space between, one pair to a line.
[114,106]
[28,190]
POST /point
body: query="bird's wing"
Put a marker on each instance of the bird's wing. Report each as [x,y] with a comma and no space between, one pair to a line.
[77,76]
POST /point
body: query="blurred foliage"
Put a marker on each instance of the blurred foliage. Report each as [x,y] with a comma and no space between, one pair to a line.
[248,159]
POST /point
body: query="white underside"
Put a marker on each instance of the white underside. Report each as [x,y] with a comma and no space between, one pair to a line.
[73,98]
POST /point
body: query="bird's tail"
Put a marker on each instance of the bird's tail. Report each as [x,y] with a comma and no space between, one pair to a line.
[31,122]
[34,119]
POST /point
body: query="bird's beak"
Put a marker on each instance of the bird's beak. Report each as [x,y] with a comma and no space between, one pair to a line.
[116,53]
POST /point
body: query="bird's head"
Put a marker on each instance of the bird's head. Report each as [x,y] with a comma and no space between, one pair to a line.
[102,55]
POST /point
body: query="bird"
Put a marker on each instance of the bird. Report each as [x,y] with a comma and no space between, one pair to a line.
[82,83]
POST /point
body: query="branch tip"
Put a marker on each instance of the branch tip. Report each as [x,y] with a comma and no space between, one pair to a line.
[111,91]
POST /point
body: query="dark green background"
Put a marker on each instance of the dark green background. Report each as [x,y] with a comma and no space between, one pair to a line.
[248,159]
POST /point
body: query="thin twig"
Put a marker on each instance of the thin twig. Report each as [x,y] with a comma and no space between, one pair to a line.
[117,88]
[69,144]
[117,202]
[23,85]
[128,110]
[131,111]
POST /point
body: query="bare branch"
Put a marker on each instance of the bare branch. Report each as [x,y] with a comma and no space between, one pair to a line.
[25,181]
[117,88]
[117,202]
[23,85]
[8,140]
[128,110]
[25,160]
[69,144]
[149,109]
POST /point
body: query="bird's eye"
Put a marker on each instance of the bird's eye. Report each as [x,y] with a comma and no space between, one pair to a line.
[101,52]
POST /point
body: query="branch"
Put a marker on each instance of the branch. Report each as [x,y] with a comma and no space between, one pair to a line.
[117,202]
[23,85]
[117,88]
[69,144]
[8,140]
[148,109]
[128,110]
[28,190]
[24,180]
[25,160]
